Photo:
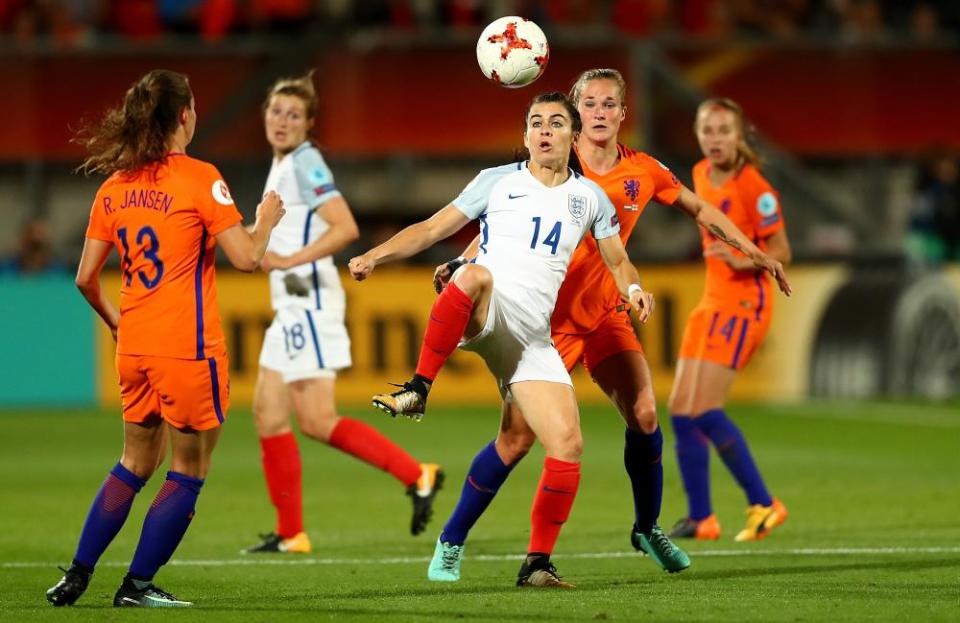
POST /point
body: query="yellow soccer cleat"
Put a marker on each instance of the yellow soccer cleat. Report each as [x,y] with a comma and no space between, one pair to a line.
[273,543]
[423,493]
[407,401]
[761,520]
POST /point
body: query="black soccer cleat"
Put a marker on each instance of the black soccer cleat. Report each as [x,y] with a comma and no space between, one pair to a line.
[71,586]
[423,493]
[539,572]
[148,596]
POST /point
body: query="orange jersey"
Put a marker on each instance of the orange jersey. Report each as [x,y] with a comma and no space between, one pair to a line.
[589,293]
[754,207]
[164,230]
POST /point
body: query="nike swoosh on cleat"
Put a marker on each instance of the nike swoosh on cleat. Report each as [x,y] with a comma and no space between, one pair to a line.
[513,196]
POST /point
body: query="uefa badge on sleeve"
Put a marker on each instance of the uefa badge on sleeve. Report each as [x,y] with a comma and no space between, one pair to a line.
[221,193]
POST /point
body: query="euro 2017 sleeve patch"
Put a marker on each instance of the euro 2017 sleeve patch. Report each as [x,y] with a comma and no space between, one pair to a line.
[221,193]
[767,204]
[767,209]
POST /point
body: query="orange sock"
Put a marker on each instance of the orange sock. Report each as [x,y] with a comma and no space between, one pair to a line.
[551,505]
[367,444]
[282,468]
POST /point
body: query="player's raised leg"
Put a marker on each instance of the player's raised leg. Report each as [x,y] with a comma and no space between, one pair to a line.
[313,401]
[625,378]
[461,309]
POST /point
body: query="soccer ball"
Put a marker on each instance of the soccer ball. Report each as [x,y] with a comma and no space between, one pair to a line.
[512,51]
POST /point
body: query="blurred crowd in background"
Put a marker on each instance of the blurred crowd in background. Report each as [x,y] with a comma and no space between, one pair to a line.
[80,22]
[926,207]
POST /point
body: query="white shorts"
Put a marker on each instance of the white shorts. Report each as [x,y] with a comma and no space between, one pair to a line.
[514,354]
[306,344]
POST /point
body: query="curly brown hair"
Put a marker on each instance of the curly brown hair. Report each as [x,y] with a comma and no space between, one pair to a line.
[135,135]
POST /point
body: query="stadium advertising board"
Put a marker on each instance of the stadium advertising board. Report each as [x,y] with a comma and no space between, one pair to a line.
[386,318]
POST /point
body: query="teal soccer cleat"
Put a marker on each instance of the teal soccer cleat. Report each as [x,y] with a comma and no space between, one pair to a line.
[661,549]
[130,595]
[445,566]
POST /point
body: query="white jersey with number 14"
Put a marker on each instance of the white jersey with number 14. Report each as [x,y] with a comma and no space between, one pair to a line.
[529,231]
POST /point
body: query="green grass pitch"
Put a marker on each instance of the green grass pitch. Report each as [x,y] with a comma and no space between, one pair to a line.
[873,492]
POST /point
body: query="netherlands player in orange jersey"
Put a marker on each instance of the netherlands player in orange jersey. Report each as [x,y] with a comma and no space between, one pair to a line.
[590,324]
[164,212]
[727,327]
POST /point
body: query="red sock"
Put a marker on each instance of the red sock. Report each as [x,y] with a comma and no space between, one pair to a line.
[448,321]
[551,505]
[367,444]
[281,466]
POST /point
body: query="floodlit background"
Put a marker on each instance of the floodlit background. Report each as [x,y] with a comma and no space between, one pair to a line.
[854,103]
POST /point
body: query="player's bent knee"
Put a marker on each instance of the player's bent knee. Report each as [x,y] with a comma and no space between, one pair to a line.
[512,448]
[319,428]
[473,279]
[141,466]
[680,402]
[644,418]
[567,447]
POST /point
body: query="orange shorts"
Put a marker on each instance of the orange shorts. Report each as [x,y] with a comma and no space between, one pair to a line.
[187,393]
[613,335]
[724,335]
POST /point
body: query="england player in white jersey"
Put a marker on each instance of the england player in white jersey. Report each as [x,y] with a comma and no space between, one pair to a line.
[307,342]
[532,216]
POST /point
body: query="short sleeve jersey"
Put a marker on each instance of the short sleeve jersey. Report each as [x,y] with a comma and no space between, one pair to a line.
[304,182]
[589,293]
[754,207]
[529,232]
[163,227]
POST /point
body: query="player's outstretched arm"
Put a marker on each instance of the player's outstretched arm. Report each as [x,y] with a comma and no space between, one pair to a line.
[246,248]
[718,224]
[625,275]
[443,272]
[410,241]
[94,256]
[342,230]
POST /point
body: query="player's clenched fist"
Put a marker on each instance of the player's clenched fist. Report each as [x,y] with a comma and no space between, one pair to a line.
[642,302]
[361,266]
[270,210]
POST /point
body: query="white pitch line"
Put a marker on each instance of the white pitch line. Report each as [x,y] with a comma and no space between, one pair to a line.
[254,560]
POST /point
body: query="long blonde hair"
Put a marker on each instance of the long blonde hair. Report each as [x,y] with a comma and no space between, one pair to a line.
[576,91]
[745,130]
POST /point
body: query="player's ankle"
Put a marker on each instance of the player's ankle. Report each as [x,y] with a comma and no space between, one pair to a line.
[421,384]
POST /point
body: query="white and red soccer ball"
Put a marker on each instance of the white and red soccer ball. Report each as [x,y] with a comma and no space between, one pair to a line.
[512,51]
